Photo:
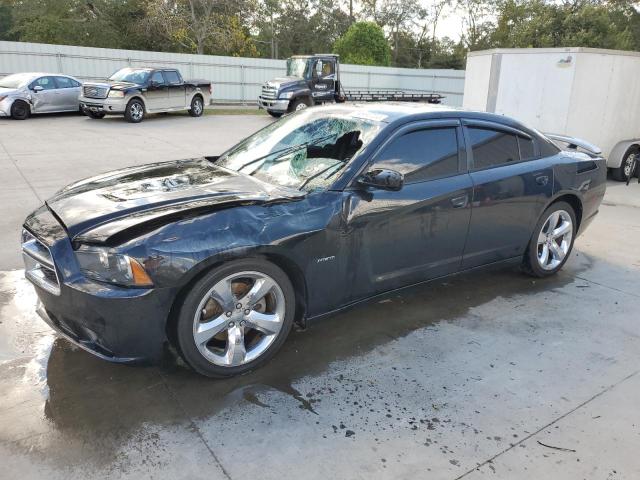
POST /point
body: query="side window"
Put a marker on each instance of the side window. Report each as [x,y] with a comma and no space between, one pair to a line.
[422,154]
[46,83]
[325,68]
[493,147]
[157,78]
[526,148]
[65,82]
[172,77]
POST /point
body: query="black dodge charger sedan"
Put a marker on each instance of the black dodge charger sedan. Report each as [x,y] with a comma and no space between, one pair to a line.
[322,209]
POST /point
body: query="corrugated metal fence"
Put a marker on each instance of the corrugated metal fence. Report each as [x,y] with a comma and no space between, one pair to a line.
[235,79]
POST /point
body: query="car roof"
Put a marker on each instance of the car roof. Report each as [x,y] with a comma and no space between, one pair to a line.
[390,112]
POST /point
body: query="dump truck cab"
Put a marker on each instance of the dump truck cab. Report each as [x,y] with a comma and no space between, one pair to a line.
[310,80]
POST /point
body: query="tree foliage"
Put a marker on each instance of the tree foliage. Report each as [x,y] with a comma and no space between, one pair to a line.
[364,44]
[402,33]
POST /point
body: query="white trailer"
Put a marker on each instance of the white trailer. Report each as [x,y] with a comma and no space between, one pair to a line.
[587,93]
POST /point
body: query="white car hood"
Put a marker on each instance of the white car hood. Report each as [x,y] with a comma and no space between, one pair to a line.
[8,91]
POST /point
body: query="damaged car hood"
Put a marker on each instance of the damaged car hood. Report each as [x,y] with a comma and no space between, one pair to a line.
[96,209]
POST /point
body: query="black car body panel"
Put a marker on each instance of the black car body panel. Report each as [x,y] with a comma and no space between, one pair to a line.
[339,245]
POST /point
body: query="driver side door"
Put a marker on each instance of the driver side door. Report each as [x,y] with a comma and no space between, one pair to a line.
[157,95]
[44,95]
[417,233]
[324,79]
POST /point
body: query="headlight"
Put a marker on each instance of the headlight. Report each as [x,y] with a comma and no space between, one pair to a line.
[285,95]
[105,266]
[116,94]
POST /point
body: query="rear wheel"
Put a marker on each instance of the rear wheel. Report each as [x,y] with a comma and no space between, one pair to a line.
[235,318]
[274,114]
[552,241]
[197,106]
[20,110]
[134,113]
[623,172]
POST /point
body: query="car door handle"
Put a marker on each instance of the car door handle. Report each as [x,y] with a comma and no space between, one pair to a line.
[460,202]
[542,180]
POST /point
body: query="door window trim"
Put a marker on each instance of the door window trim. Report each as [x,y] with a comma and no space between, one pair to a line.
[469,123]
[412,127]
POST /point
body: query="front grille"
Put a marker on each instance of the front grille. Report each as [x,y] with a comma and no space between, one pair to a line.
[38,263]
[269,92]
[91,91]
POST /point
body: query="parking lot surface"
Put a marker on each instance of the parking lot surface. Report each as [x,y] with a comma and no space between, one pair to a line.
[488,374]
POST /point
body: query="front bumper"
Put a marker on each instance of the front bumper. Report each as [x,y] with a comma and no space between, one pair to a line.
[103,105]
[5,107]
[273,105]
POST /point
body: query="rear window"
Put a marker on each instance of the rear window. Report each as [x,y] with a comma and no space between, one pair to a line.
[172,77]
[493,147]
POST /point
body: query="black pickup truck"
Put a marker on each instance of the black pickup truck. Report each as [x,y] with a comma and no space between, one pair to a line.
[135,92]
[315,79]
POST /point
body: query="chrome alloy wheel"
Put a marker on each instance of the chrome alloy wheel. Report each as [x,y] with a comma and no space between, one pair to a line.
[301,106]
[628,164]
[554,240]
[239,318]
[136,111]
[197,106]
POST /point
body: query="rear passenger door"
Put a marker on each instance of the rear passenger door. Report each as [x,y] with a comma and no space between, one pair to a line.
[511,183]
[69,92]
[177,93]
[416,233]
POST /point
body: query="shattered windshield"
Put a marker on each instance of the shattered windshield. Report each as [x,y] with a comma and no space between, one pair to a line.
[303,151]
[296,67]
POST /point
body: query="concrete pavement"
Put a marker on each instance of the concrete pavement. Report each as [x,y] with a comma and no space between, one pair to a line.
[489,374]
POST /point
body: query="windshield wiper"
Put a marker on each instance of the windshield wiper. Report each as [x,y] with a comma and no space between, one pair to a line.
[316,175]
[285,151]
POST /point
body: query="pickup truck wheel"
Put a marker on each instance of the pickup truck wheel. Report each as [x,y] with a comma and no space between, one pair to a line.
[134,113]
[299,104]
[20,110]
[95,115]
[235,318]
[623,172]
[274,114]
[197,107]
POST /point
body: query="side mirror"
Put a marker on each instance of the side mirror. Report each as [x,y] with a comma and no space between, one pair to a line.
[383,179]
[154,84]
[38,88]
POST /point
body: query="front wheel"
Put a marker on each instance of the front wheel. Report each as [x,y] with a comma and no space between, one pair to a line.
[134,112]
[623,172]
[551,242]
[197,106]
[235,318]
[299,104]
[20,110]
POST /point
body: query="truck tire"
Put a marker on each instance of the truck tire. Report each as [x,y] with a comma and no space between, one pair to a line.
[20,110]
[197,106]
[134,112]
[299,104]
[274,114]
[623,172]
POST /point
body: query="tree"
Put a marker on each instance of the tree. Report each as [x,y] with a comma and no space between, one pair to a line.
[364,44]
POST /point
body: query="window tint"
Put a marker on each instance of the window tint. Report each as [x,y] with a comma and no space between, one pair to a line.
[66,82]
[526,148]
[46,83]
[422,155]
[493,147]
[158,78]
[172,76]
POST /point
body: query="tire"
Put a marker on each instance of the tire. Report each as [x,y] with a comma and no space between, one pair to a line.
[274,114]
[622,173]
[20,110]
[222,295]
[299,104]
[134,112]
[94,115]
[558,248]
[197,106]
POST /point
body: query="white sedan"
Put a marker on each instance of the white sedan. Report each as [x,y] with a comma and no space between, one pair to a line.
[22,94]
